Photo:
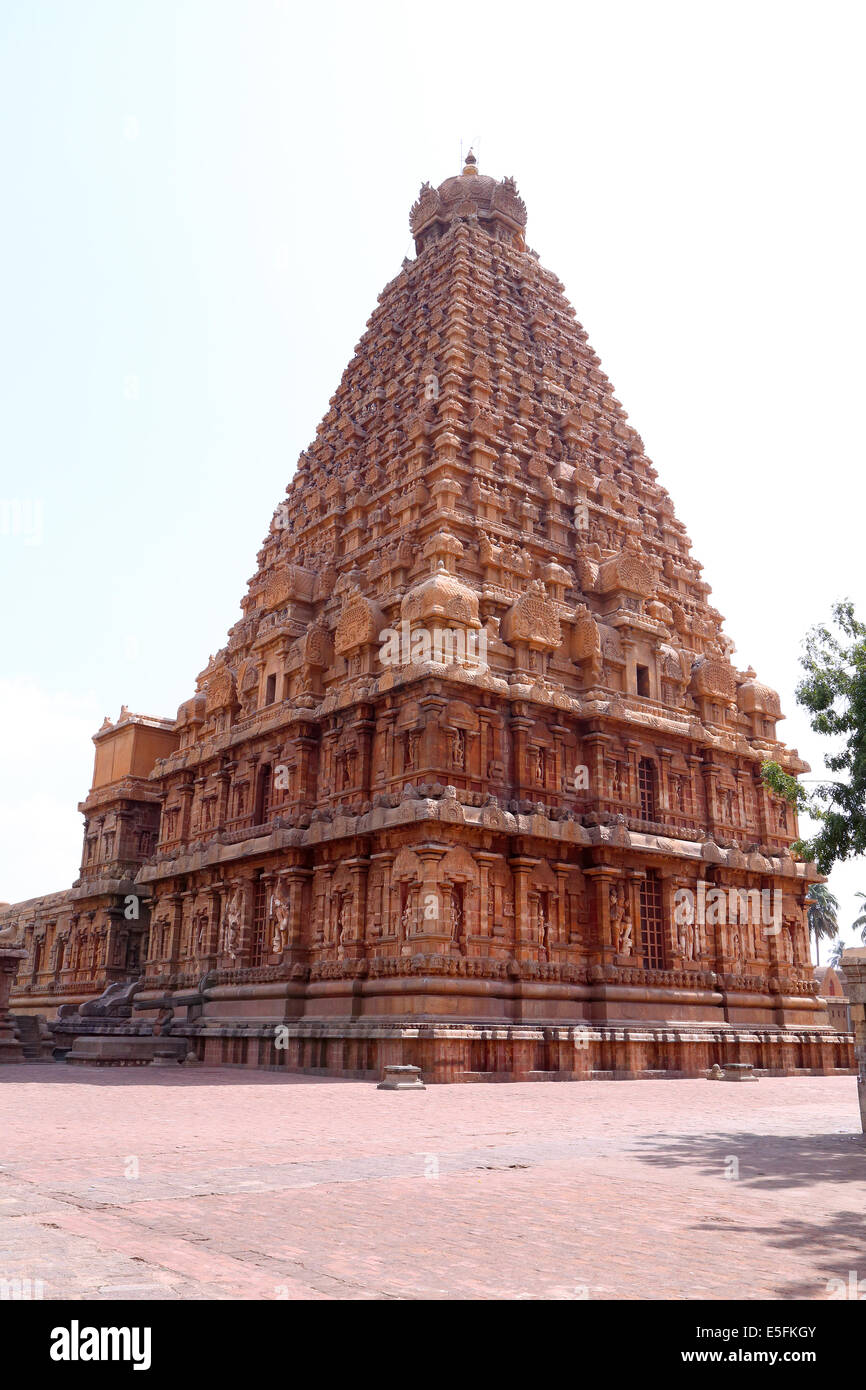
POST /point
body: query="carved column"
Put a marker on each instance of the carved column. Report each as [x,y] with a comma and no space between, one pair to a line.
[297,879]
[211,945]
[431,750]
[431,932]
[322,927]
[224,780]
[176,903]
[633,748]
[375,930]
[485,860]
[187,791]
[563,929]
[696,783]
[364,731]
[525,948]
[559,732]
[520,776]
[711,774]
[596,746]
[603,876]
[665,756]
[359,869]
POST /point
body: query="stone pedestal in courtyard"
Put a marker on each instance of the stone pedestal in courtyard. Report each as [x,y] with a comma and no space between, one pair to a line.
[10,1044]
[854,970]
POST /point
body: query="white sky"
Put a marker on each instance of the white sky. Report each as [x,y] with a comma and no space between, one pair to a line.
[202,202]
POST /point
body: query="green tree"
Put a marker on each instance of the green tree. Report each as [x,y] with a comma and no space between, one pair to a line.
[823,913]
[834,692]
[836,954]
[859,923]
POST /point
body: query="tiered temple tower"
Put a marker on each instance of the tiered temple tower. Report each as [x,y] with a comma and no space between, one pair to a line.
[478,735]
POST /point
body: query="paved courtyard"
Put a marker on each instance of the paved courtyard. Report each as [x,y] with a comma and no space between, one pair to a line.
[151,1183]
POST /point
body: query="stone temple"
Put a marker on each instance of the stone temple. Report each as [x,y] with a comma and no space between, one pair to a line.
[475,744]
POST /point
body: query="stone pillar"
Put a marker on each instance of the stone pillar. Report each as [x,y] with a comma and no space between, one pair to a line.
[594,746]
[209,955]
[665,756]
[560,784]
[525,945]
[322,927]
[633,750]
[364,730]
[603,876]
[224,779]
[187,792]
[10,1045]
[297,879]
[431,932]
[374,931]
[307,754]
[521,779]
[695,782]
[710,775]
[359,868]
[853,965]
[485,861]
[431,745]
[562,870]
[116,928]
[762,797]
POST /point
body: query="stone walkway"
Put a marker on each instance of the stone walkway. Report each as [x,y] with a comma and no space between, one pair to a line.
[151,1183]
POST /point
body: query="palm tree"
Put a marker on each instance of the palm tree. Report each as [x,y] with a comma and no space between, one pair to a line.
[836,954]
[859,923]
[823,907]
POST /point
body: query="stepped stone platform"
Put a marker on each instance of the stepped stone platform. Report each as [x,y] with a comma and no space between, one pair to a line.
[466,1052]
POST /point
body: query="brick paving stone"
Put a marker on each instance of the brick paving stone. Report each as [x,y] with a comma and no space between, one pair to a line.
[252,1185]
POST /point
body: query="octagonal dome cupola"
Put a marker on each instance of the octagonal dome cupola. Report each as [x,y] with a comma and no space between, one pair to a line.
[493,204]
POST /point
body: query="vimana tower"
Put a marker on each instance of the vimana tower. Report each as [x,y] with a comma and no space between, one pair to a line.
[474,783]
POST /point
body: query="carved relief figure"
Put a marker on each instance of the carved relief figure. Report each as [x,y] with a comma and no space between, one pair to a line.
[410,755]
[624,943]
[343,922]
[406,919]
[543,924]
[456,907]
[201,925]
[620,924]
[458,749]
[232,922]
[278,911]
[687,941]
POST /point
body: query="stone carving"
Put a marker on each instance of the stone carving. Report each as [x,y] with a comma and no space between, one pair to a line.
[220,691]
[278,914]
[533,618]
[360,624]
[12,935]
[233,919]
[621,925]
[201,923]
